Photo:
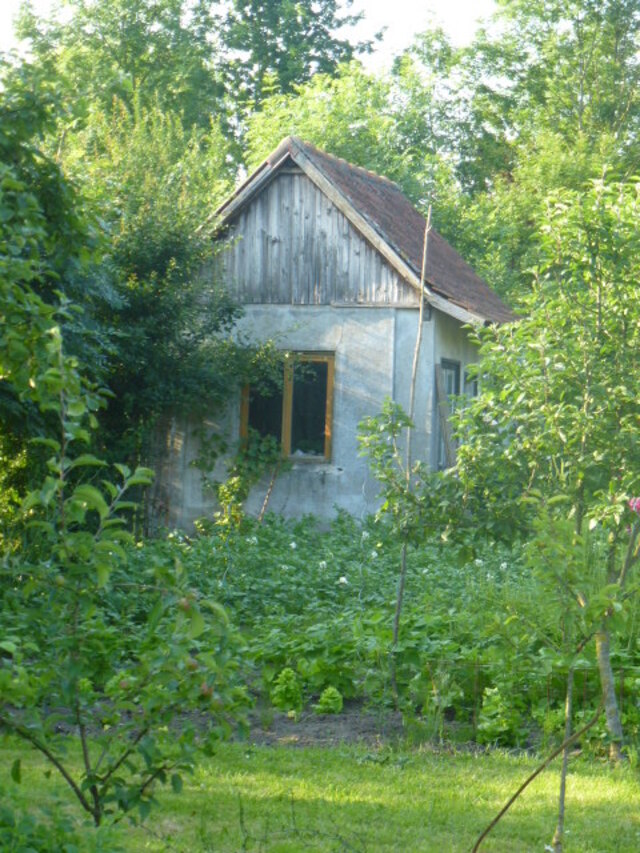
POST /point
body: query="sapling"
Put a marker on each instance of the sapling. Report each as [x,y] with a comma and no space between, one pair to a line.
[557,417]
[397,475]
[91,650]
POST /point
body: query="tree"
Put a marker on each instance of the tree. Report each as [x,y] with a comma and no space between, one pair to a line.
[198,58]
[87,646]
[381,123]
[498,231]
[556,422]
[545,103]
[273,46]
[572,67]
[444,108]
[90,642]
[155,186]
[160,53]
[46,241]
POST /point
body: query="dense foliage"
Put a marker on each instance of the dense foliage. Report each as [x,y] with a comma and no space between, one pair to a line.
[84,649]
[119,137]
[318,607]
[154,185]
[273,46]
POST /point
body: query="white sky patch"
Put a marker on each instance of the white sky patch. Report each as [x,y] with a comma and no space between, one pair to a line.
[403,20]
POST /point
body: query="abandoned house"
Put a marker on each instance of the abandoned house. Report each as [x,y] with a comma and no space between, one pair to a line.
[326,259]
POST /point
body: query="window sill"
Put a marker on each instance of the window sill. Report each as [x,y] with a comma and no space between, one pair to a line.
[308,459]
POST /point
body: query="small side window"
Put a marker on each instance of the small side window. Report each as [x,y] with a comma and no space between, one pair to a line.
[470,384]
[450,377]
[448,388]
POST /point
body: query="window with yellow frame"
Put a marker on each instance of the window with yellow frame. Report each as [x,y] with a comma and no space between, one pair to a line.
[299,411]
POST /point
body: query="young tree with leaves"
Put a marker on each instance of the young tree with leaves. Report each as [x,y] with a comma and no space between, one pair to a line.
[90,643]
[556,424]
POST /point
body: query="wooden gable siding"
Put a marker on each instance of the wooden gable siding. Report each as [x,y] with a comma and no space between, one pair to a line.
[291,245]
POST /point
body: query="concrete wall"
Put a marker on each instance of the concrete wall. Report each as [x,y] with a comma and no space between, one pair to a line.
[374,349]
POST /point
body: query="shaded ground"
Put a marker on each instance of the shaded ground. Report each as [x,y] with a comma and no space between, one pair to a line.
[352,725]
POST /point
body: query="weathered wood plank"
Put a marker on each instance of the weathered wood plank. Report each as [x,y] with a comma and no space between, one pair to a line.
[285,228]
[291,244]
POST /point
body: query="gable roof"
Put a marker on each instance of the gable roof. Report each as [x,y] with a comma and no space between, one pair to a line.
[378,209]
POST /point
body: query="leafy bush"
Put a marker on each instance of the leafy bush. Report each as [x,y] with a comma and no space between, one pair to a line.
[319,602]
[48,831]
[89,648]
[500,720]
[287,693]
[330,702]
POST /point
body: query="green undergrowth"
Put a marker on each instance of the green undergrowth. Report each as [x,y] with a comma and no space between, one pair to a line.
[477,658]
[352,798]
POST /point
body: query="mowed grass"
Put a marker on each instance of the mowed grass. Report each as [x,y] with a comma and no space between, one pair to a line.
[284,799]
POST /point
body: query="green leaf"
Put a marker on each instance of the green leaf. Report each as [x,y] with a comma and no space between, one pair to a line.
[140,477]
[123,470]
[218,609]
[47,442]
[16,771]
[76,408]
[176,783]
[558,499]
[49,489]
[85,460]
[103,571]
[92,498]
[197,624]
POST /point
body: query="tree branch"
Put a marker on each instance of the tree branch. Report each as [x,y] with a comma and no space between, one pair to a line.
[26,735]
[565,745]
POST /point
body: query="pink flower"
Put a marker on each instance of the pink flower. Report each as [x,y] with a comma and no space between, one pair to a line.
[634,505]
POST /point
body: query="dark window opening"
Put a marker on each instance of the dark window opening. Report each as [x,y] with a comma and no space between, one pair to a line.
[298,412]
[450,387]
[451,377]
[265,412]
[309,408]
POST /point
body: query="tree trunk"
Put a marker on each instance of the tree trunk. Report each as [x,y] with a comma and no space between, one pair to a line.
[402,579]
[609,694]
[568,714]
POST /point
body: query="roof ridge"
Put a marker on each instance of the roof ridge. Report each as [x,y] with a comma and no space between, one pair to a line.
[347,163]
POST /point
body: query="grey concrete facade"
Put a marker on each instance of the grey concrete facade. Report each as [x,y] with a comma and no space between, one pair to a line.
[373,348]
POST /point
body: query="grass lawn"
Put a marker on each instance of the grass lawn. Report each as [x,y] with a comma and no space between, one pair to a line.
[284,799]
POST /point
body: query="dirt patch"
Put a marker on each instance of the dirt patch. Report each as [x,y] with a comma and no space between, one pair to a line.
[352,725]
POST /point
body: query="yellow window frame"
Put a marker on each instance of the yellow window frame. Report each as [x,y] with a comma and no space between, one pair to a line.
[291,359]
